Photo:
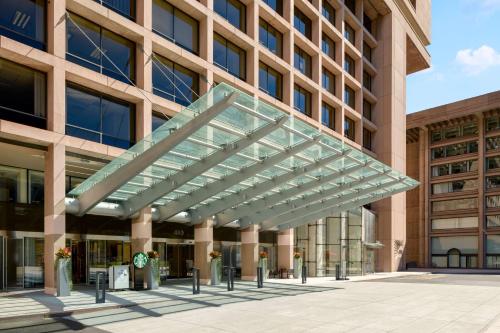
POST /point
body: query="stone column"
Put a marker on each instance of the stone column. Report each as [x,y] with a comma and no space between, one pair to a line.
[203,245]
[141,238]
[480,185]
[55,211]
[249,252]
[285,249]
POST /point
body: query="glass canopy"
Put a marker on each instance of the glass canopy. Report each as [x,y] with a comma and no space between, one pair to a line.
[237,158]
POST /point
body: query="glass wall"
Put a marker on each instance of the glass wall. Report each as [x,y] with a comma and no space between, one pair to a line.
[104,253]
[454,252]
[23,98]
[119,59]
[96,117]
[24,21]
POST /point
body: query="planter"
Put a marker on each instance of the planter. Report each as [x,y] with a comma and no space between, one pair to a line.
[297,268]
[153,273]
[263,264]
[215,271]
[64,277]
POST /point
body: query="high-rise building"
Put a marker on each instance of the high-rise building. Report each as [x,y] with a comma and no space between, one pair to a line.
[84,80]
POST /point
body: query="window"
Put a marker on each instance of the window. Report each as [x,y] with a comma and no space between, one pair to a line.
[454,168]
[174,82]
[493,143]
[271,38]
[302,61]
[367,23]
[230,57]
[367,139]
[302,23]
[24,21]
[455,204]
[493,182]
[328,46]
[233,11]
[328,12]
[454,150]
[492,123]
[175,25]
[328,81]
[455,223]
[123,7]
[349,33]
[95,117]
[349,65]
[367,80]
[270,81]
[367,52]
[492,162]
[158,119]
[302,100]
[13,184]
[349,96]
[119,50]
[349,129]
[455,186]
[367,109]
[454,251]
[493,251]
[36,190]
[351,4]
[493,201]
[276,5]
[493,221]
[23,98]
[328,116]
[454,132]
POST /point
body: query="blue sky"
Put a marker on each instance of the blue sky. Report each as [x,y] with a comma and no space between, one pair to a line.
[465,51]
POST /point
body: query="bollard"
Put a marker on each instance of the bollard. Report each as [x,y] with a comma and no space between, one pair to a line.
[100,287]
[337,271]
[230,285]
[260,277]
[196,281]
[304,274]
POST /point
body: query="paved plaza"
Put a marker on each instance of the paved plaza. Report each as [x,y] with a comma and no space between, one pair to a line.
[389,303]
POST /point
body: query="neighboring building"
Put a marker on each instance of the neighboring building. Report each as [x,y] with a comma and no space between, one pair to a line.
[453,217]
[68,106]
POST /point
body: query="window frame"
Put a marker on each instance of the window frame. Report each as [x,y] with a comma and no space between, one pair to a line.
[242,10]
[302,20]
[279,79]
[270,30]
[241,52]
[302,57]
[349,128]
[307,100]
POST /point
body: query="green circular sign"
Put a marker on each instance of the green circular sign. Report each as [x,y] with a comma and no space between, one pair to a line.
[140,259]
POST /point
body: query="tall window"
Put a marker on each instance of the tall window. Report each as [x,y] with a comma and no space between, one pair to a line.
[349,33]
[367,80]
[349,65]
[367,22]
[328,12]
[302,61]
[270,81]
[123,7]
[351,4]
[349,97]
[22,97]
[276,5]
[328,81]
[367,109]
[302,23]
[302,100]
[119,50]
[328,46]
[24,21]
[230,57]
[233,11]
[173,81]
[367,139]
[454,150]
[96,117]
[175,25]
[367,52]
[271,38]
[349,128]
[328,115]
[454,168]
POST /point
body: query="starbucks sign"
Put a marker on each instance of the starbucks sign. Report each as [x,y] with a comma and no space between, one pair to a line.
[140,260]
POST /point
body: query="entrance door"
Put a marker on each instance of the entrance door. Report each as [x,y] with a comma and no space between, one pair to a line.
[78,261]
[454,258]
[3,256]
[180,258]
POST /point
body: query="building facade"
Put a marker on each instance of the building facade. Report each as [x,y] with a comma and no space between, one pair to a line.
[83,80]
[452,219]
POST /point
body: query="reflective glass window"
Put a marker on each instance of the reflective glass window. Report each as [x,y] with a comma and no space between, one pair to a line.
[158,119]
[271,38]
[328,46]
[367,81]
[302,23]
[456,204]
[367,139]
[367,51]
[349,65]
[24,21]
[270,81]
[277,5]
[233,11]
[367,109]
[492,163]
[328,115]
[302,61]
[349,33]
[122,7]
[302,100]
[328,81]
[328,12]
[349,96]
[455,223]
[349,129]
[229,57]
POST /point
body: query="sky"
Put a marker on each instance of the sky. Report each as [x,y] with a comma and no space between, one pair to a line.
[465,52]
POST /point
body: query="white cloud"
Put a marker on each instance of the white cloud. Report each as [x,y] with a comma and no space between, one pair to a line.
[490,4]
[476,61]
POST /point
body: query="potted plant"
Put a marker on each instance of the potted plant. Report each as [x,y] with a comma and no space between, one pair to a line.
[215,268]
[63,272]
[297,265]
[153,270]
[263,263]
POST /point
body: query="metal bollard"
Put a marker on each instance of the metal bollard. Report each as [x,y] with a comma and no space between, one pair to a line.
[229,273]
[233,274]
[337,271]
[196,281]
[260,277]
[100,287]
[304,274]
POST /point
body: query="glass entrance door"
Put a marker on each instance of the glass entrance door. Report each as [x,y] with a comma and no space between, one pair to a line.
[180,259]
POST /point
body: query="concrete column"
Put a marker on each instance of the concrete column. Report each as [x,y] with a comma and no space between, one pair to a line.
[424,179]
[141,238]
[249,252]
[480,185]
[285,249]
[310,256]
[54,210]
[203,245]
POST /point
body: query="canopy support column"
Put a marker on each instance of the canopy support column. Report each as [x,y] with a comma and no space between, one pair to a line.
[249,252]
[285,249]
[203,245]
[141,236]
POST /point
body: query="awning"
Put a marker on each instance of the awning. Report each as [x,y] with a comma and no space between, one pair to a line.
[233,157]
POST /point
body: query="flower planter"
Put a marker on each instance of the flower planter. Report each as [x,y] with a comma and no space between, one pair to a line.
[153,273]
[297,268]
[63,276]
[263,264]
[215,271]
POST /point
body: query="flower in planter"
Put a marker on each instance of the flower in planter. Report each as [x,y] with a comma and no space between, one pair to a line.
[263,255]
[215,255]
[153,255]
[297,255]
[63,253]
